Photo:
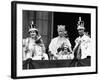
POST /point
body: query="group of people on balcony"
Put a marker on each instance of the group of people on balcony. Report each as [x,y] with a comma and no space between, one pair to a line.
[59,47]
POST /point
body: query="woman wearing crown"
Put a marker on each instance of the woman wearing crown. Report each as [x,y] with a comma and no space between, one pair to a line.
[34,47]
[58,43]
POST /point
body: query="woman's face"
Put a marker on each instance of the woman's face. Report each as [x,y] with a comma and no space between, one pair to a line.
[32,34]
[61,32]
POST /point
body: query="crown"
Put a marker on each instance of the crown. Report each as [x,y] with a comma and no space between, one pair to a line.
[80,24]
[61,26]
[32,27]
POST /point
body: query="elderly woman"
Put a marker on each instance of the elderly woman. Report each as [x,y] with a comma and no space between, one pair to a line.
[58,43]
[34,47]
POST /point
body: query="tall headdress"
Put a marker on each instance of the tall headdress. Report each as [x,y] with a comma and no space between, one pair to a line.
[32,27]
[61,27]
[80,24]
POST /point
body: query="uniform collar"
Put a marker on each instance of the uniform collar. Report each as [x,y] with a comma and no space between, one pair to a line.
[82,36]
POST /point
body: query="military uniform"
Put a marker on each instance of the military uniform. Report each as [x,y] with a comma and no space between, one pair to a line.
[85,45]
[83,41]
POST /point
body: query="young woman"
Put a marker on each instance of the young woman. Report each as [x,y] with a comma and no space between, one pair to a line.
[34,47]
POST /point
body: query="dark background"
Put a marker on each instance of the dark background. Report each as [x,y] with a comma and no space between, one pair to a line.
[70,20]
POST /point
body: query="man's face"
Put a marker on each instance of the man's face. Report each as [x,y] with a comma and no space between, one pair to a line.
[61,32]
[32,34]
[81,32]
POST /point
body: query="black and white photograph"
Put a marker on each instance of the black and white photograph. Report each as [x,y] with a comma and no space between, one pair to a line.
[53,39]
[56,39]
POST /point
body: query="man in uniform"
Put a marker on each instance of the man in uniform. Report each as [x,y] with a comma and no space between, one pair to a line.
[82,43]
[58,42]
